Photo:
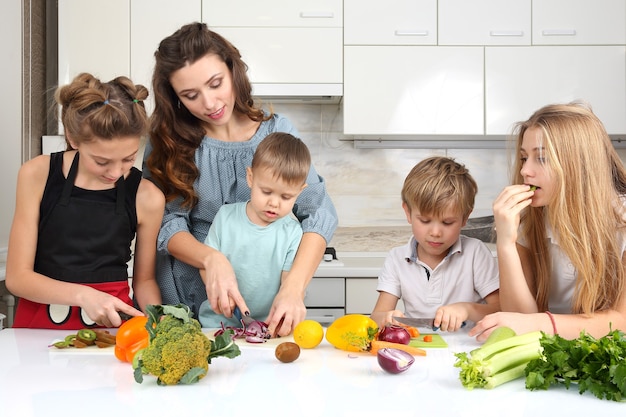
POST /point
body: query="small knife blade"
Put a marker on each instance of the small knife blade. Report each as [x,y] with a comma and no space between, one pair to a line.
[245,319]
[416,322]
[420,322]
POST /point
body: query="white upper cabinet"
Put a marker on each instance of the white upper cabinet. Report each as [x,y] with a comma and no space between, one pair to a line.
[520,80]
[93,37]
[401,90]
[484,22]
[579,22]
[292,48]
[151,22]
[393,22]
[277,13]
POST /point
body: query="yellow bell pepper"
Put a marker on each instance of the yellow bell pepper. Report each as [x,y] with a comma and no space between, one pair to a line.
[352,332]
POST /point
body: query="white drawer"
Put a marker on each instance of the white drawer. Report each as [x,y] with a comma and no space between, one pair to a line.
[324,316]
[325,292]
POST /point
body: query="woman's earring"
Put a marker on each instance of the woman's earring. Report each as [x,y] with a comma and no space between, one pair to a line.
[178,104]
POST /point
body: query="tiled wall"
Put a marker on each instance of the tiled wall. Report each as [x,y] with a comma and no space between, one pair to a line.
[365,184]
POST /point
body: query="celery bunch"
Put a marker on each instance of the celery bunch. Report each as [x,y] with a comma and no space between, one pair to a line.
[495,363]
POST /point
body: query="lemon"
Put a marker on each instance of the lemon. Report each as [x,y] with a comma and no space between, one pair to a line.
[308,334]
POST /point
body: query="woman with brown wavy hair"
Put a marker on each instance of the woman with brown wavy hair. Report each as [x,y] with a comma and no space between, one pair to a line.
[204,131]
[561,229]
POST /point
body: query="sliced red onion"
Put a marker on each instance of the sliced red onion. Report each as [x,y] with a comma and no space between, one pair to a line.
[394,361]
[255,332]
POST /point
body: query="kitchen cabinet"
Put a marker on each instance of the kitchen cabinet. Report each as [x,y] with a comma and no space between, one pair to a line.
[519,80]
[93,36]
[397,22]
[124,48]
[293,48]
[484,22]
[404,90]
[491,65]
[325,299]
[151,21]
[361,296]
[579,22]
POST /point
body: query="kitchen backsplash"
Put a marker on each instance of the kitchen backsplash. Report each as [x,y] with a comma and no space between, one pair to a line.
[365,184]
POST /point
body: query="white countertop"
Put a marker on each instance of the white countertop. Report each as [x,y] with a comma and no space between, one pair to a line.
[39,381]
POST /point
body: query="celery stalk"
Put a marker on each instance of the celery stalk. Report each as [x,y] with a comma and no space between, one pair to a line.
[505,376]
[511,357]
[522,339]
[492,365]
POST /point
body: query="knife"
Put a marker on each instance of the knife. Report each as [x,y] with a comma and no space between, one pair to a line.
[420,322]
[245,319]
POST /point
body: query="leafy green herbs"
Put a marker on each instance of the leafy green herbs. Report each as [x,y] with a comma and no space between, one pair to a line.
[596,365]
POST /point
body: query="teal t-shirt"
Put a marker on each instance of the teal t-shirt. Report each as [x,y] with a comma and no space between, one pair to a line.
[258,255]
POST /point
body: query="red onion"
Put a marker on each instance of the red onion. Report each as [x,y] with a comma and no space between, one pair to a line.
[394,361]
[255,332]
[395,334]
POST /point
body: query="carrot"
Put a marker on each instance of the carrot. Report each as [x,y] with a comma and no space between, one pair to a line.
[428,338]
[413,331]
[376,345]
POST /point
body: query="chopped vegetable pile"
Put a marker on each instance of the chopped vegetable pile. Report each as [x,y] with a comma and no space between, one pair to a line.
[178,351]
[254,332]
[596,365]
[500,359]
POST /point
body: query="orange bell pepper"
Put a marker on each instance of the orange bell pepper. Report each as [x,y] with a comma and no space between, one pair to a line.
[132,336]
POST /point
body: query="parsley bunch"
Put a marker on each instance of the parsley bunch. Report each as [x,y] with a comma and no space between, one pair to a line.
[596,365]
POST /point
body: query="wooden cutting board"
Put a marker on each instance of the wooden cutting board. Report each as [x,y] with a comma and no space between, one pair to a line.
[437,341]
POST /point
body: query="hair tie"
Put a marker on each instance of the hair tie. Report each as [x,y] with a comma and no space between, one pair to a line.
[106,101]
[135,101]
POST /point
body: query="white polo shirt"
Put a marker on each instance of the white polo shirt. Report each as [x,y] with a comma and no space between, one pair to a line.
[467,274]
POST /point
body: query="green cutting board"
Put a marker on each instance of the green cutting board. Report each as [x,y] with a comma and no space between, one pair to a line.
[437,341]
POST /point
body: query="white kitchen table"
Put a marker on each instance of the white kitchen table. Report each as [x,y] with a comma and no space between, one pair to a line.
[36,380]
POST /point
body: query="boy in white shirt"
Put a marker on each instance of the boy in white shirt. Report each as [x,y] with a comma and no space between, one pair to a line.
[439,274]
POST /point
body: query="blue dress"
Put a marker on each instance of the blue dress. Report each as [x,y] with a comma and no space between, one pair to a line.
[222,180]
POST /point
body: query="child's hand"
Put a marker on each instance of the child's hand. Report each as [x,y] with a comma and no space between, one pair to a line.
[450,318]
[104,309]
[384,317]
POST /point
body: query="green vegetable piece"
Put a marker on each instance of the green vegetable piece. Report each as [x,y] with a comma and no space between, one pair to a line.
[595,365]
[497,335]
[179,352]
[86,335]
[487,351]
[533,187]
[498,362]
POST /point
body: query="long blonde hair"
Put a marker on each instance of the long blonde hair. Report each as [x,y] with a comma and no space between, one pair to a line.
[586,210]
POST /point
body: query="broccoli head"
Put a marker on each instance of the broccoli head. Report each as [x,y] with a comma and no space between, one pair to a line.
[176,352]
[179,352]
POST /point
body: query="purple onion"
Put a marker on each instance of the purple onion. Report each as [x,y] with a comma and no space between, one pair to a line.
[394,334]
[394,361]
[254,332]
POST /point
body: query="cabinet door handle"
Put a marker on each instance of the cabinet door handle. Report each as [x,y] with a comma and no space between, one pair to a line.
[317,15]
[411,33]
[322,319]
[559,32]
[506,33]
